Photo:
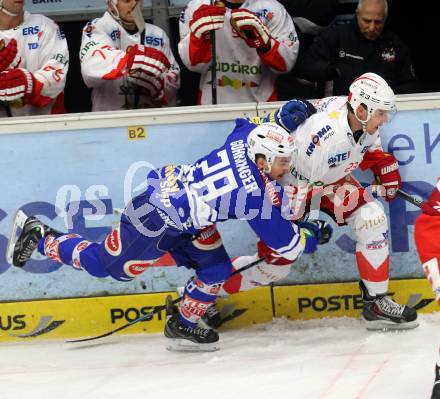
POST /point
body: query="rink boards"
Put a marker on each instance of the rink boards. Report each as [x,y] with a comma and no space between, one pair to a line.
[82,317]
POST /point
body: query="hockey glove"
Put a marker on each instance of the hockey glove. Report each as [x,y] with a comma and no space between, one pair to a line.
[9,58]
[432,206]
[386,169]
[292,114]
[205,19]
[15,84]
[317,232]
[146,67]
[250,28]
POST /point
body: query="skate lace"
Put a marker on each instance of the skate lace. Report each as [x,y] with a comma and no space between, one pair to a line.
[389,307]
[211,310]
[203,332]
[28,249]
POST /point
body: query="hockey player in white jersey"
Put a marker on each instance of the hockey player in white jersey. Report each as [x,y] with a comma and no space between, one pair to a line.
[128,63]
[255,41]
[341,137]
[34,60]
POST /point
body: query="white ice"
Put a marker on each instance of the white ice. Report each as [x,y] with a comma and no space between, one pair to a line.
[333,358]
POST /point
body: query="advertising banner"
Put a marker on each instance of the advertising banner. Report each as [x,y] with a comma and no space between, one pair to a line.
[77,180]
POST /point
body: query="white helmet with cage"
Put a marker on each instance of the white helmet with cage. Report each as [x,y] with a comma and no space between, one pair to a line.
[270,140]
[374,92]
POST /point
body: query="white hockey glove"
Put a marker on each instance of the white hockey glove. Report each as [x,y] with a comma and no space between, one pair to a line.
[9,57]
[250,28]
[207,18]
[15,84]
[146,67]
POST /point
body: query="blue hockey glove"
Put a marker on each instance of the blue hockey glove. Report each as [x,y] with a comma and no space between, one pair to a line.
[318,232]
[292,114]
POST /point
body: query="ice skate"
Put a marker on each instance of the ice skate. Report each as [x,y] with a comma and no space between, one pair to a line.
[436,388]
[380,312]
[26,232]
[188,339]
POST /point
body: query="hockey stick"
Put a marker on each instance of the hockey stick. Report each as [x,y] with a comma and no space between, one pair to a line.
[213,65]
[157,309]
[408,197]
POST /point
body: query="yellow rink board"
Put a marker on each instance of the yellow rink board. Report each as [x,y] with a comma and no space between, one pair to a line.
[83,317]
[314,301]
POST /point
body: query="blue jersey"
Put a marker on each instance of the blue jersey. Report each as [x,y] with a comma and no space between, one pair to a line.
[223,185]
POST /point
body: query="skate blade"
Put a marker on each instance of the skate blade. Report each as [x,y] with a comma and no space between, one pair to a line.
[383,325]
[17,227]
[183,345]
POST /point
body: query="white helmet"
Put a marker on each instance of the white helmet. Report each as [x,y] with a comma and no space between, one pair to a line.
[373,91]
[270,140]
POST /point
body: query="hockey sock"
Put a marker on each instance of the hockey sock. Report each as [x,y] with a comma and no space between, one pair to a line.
[196,299]
[73,250]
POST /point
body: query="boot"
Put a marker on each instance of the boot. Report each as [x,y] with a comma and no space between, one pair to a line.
[380,312]
[187,338]
[33,230]
[212,318]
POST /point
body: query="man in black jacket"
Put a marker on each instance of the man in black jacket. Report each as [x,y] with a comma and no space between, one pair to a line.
[343,52]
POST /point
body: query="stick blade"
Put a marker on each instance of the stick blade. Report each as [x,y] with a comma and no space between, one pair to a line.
[17,227]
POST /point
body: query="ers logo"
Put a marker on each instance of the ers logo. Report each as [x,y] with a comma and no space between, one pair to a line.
[113,243]
[135,267]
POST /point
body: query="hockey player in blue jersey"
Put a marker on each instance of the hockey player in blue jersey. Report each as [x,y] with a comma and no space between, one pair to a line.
[177,213]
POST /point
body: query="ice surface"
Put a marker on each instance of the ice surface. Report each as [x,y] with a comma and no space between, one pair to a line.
[333,358]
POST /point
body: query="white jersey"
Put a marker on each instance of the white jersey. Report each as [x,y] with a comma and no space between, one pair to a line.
[242,74]
[325,150]
[43,50]
[103,48]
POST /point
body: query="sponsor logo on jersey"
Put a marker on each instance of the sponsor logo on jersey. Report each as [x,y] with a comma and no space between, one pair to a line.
[113,243]
[61,59]
[115,35]
[210,289]
[51,248]
[182,16]
[169,185]
[324,133]
[365,149]
[265,14]
[60,34]
[338,158]
[389,54]
[373,223]
[88,30]
[33,46]
[89,45]
[191,309]
[154,41]
[30,30]
[133,268]
[379,244]
[236,67]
